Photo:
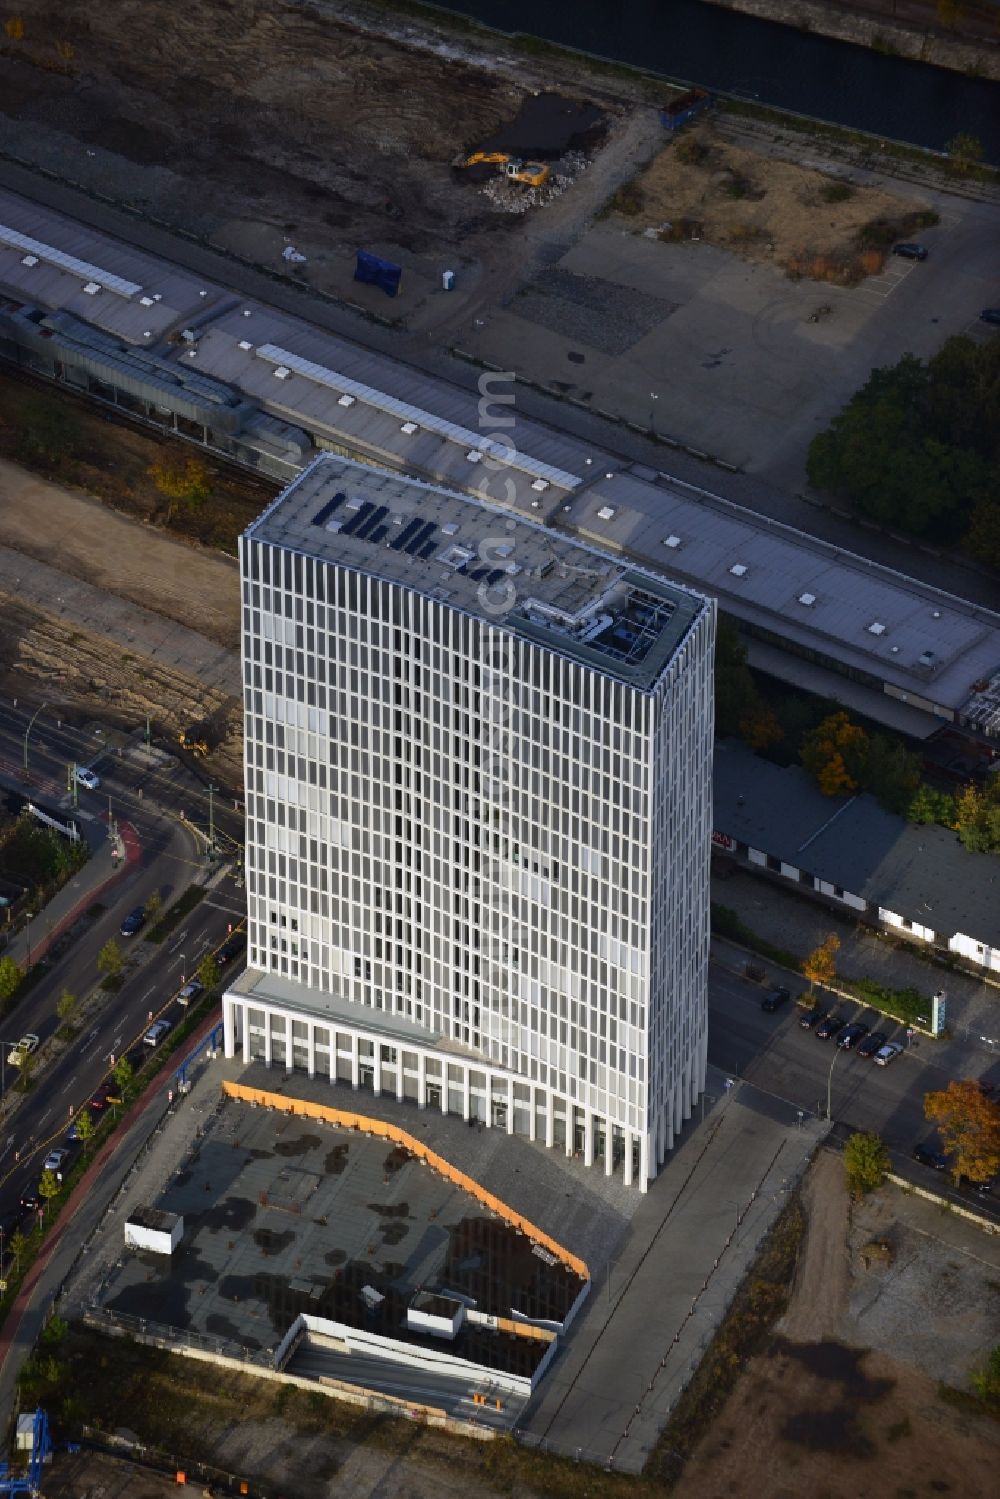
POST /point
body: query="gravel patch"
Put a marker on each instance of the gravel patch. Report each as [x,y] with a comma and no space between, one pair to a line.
[936,1304]
[602,314]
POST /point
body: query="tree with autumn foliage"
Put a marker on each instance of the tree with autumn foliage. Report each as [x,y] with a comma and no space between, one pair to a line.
[186,481]
[836,753]
[969,1125]
[821,965]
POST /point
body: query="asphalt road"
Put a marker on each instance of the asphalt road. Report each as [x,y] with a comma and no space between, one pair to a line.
[778,1057]
[170,862]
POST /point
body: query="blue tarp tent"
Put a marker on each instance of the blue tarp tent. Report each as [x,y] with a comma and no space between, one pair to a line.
[378,272]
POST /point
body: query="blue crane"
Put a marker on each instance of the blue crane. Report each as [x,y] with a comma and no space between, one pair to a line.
[29,1482]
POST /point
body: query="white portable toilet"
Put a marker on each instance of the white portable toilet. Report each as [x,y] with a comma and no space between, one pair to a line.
[447,280]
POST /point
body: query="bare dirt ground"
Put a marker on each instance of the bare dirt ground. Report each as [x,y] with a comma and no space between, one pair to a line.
[847,1406]
[762,208]
[85,653]
[259,125]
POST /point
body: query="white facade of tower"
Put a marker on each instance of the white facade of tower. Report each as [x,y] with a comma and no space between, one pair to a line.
[478,817]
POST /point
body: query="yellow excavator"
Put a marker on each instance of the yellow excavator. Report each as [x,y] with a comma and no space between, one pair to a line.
[534,173]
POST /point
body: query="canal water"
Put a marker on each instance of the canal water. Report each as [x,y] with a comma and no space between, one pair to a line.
[738,54]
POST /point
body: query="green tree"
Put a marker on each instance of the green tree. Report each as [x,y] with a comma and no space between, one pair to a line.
[891,772]
[209,972]
[977,817]
[821,965]
[10,978]
[969,1125]
[54,1331]
[836,753]
[18,1247]
[964,151]
[85,1127]
[909,450]
[931,805]
[986,1381]
[982,539]
[25,1072]
[736,695]
[66,1005]
[49,1186]
[111,959]
[154,904]
[124,1076]
[866,1162]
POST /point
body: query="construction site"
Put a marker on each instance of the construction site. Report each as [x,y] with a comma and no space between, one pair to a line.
[345,140]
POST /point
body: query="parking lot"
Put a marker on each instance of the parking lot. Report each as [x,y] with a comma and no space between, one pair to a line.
[731,359]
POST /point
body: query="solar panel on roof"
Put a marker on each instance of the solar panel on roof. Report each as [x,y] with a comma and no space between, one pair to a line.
[325,511]
[428,550]
[495,575]
[353,526]
[379,535]
[419,537]
[405,536]
[364,531]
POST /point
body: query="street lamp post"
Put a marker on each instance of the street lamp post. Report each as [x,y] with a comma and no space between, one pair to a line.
[653,398]
[27,731]
[183,970]
[211,821]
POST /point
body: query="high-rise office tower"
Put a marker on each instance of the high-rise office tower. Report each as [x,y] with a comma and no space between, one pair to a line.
[478,798]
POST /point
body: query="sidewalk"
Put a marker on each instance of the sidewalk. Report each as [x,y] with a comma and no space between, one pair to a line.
[97,876]
[652,1313]
[799,925]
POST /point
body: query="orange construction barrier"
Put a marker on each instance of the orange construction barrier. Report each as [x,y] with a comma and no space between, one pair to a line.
[347,1120]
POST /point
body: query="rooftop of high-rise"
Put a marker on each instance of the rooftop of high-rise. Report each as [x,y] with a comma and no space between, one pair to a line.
[509,571]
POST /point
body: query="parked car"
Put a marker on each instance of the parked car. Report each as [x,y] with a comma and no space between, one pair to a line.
[773,998]
[990,315]
[888,1053]
[829,1027]
[978,1188]
[108,1092]
[812,1017]
[910,252]
[24,1048]
[928,1155]
[156,1032]
[86,777]
[872,1043]
[851,1035]
[232,948]
[134,922]
[54,1160]
[191,991]
[30,1202]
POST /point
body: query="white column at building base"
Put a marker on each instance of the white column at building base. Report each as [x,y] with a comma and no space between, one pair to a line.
[311,1049]
[228,1028]
[628,1137]
[421,1080]
[609,1148]
[289,1062]
[588,1138]
[510,1106]
[550,1119]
